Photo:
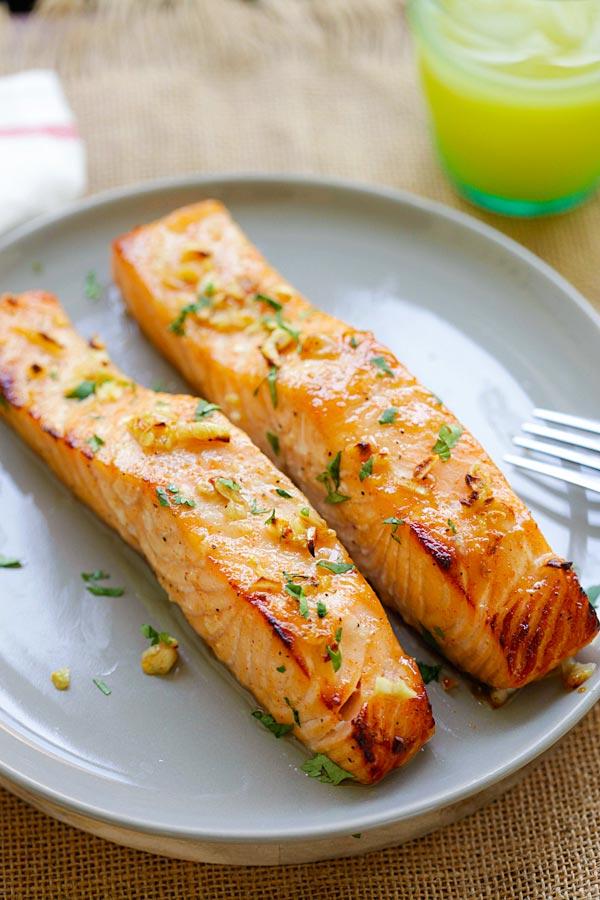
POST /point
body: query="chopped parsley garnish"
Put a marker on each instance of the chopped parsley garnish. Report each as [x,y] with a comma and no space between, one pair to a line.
[204,408]
[177,326]
[175,497]
[100,590]
[338,568]
[281,668]
[429,673]
[95,442]
[335,655]
[10,562]
[321,609]
[297,592]
[274,442]
[357,835]
[276,728]
[158,387]
[593,592]
[395,521]
[323,768]
[331,479]
[274,304]
[270,518]
[353,342]
[92,286]
[272,382]
[229,483]
[381,364]
[366,469]
[162,496]
[388,416]
[98,575]
[451,526]
[256,511]
[271,379]
[294,711]
[283,493]
[102,686]
[448,437]
[305,511]
[156,636]
[83,390]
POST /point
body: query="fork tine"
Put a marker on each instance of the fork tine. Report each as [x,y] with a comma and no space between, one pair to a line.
[549,415]
[565,437]
[558,472]
[582,459]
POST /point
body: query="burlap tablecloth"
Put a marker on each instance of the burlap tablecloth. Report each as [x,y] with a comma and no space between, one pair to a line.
[323,86]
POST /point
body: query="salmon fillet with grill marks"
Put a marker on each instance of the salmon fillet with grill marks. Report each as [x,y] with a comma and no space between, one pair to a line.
[255,569]
[426,514]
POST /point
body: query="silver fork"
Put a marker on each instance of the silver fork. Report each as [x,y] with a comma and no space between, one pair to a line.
[579,437]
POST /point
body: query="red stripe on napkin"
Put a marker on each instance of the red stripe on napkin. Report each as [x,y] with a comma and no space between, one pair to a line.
[59,131]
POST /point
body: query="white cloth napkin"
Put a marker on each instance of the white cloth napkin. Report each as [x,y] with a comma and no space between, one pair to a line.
[42,157]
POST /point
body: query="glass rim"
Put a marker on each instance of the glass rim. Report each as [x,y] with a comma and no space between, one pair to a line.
[430,36]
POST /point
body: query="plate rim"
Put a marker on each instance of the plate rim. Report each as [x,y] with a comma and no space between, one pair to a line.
[356,821]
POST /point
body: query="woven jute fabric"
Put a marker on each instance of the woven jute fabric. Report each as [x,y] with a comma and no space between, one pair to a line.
[308,86]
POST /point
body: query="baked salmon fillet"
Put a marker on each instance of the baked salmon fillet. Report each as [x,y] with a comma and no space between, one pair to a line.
[428,517]
[256,571]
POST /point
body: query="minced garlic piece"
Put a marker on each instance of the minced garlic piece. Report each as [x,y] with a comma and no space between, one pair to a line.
[575,673]
[61,679]
[389,688]
[160,658]
[109,391]
[160,435]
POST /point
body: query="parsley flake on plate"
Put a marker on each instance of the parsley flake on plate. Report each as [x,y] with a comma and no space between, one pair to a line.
[102,686]
[283,493]
[323,768]
[10,562]
[429,673]
[156,637]
[276,728]
[92,286]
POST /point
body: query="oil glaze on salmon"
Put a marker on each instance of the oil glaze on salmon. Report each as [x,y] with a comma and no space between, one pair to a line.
[426,514]
[230,538]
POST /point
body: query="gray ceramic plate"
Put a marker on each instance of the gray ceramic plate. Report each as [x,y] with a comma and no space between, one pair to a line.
[179,764]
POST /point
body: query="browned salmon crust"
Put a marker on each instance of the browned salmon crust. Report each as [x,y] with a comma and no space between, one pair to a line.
[433,525]
[231,539]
